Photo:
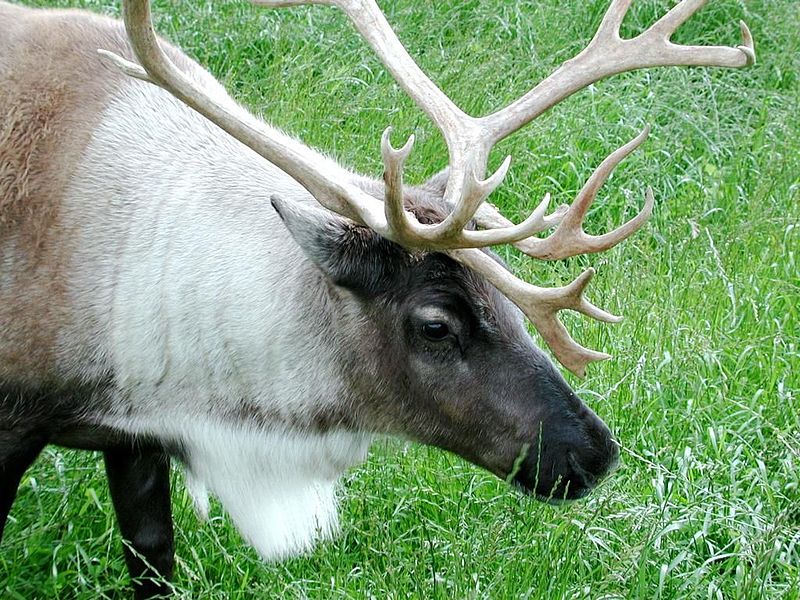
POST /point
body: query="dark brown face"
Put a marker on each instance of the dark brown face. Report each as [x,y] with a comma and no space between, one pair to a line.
[471,381]
[443,358]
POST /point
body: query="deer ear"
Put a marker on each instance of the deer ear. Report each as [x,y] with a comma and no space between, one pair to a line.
[351,255]
[438,183]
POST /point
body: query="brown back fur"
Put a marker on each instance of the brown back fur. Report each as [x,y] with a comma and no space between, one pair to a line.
[53,89]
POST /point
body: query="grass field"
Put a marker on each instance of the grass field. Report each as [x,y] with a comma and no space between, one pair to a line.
[703,390]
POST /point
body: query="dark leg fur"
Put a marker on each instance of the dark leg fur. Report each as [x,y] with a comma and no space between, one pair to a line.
[139,482]
[18,449]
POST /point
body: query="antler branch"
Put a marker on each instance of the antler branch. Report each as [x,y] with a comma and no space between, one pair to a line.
[542,305]
[608,54]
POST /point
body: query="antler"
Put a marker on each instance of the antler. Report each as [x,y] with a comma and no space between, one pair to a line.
[469,141]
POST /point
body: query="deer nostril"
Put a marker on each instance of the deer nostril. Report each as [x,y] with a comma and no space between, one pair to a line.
[587,479]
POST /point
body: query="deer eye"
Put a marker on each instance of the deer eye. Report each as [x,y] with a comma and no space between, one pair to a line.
[435,331]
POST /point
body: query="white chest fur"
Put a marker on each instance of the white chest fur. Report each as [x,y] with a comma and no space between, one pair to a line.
[279,488]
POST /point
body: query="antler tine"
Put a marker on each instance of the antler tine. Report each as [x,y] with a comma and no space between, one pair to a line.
[612,20]
[541,306]
[608,54]
[574,217]
[398,220]
[569,238]
[488,217]
[677,16]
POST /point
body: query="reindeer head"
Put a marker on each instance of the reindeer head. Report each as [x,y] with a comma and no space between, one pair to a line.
[437,354]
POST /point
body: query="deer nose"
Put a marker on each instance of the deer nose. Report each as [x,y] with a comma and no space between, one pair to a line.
[583,469]
[592,461]
[573,462]
[588,478]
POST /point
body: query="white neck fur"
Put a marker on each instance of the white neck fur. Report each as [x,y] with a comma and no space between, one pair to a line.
[193,285]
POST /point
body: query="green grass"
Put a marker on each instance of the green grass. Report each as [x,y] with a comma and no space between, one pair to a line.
[702,392]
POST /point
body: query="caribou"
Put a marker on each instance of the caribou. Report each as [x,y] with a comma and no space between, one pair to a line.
[182,281]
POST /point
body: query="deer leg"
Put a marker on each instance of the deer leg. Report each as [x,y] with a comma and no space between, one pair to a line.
[18,449]
[139,482]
